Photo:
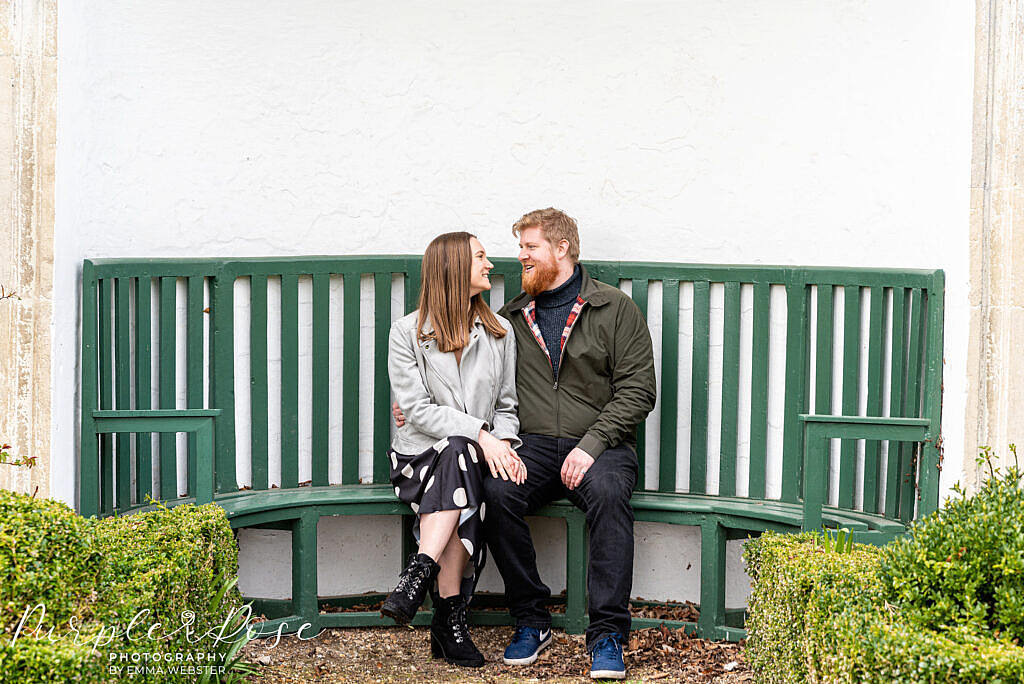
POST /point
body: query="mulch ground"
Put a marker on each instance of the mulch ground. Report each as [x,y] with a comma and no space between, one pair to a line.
[402,654]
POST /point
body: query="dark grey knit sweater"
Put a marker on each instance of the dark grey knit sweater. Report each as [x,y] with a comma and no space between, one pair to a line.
[553,309]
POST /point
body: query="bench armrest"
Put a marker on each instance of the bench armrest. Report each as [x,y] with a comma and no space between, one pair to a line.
[819,429]
[199,421]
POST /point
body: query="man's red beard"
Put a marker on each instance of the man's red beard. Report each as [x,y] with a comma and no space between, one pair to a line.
[540,279]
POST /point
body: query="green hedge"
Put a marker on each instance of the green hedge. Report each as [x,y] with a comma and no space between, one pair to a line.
[965,566]
[45,549]
[942,604]
[793,602]
[96,575]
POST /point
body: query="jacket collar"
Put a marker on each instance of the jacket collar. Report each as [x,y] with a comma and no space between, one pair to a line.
[428,325]
[590,292]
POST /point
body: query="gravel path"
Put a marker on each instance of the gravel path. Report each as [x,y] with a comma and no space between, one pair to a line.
[401,654]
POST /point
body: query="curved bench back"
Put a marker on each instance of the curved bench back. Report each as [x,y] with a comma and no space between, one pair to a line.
[277,345]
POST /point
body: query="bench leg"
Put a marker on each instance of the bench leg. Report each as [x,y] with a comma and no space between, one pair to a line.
[304,582]
[575,572]
[712,579]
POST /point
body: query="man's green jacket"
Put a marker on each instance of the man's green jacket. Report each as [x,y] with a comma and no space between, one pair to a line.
[606,383]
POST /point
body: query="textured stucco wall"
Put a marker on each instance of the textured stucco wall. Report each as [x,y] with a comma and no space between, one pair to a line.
[790,132]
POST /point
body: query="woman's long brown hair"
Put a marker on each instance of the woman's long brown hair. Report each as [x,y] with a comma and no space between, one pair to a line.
[444,294]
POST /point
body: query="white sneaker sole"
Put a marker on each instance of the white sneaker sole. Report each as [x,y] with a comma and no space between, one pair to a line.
[607,674]
[529,660]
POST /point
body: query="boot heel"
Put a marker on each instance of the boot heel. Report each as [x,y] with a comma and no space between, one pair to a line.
[435,647]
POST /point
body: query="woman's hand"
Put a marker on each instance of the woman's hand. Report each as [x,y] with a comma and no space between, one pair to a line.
[501,458]
[517,463]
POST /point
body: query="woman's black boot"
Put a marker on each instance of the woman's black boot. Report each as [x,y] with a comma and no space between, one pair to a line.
[417,578]
[449,633]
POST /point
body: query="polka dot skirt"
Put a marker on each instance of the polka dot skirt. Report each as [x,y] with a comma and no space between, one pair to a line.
[448,476]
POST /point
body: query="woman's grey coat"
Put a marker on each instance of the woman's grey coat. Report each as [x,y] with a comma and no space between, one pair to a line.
[441,398]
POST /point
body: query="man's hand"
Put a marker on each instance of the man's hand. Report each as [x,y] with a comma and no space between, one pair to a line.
[397,413]
[576,465]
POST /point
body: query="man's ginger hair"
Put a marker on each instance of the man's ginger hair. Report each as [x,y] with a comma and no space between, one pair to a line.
[555,226]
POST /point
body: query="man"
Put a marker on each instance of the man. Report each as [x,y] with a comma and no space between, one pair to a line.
[585,380]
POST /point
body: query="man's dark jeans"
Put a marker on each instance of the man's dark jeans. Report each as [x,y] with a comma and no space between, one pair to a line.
[603,496]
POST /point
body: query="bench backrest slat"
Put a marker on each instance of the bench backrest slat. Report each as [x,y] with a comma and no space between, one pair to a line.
[289,381]
[638,292]
[258,401]
[381,387]
[872,447]
[321,379]
[897,379]
[852,308]
[122,376]
[741,352]
[106,360]
[669,388]
[88,466]
[222,377]
[730,390]
[797,371]
[195,360]
[699,387]
[167,354]
[931,454]
[350,380]
[143,384]
[912,404]
[759,361]
[823,358]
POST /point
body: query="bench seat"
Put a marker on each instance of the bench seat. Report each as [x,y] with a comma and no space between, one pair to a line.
[718,518]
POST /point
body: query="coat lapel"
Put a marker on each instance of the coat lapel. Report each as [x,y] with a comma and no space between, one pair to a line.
[444,365]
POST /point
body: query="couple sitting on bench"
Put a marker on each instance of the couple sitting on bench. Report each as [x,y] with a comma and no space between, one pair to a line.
[501,414]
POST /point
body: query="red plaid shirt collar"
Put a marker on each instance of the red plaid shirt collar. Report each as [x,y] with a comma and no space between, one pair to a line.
[530,313]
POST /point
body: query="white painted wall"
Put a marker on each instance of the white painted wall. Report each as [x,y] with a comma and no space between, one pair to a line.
[794,132]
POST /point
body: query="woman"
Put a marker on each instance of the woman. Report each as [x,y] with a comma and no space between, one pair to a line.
[452,367]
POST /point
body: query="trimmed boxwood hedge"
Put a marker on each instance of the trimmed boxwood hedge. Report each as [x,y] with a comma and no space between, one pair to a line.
[92,575]
[942,604]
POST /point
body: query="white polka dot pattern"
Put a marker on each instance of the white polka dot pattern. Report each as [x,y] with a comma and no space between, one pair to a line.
[459,497]
[447,465]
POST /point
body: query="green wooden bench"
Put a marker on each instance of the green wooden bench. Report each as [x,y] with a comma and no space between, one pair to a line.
[889,368]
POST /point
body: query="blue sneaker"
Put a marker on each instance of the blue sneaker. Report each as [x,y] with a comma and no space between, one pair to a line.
[607,659]
[526,644]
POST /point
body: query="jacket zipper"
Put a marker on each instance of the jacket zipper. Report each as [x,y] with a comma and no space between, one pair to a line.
[561,358]
[451,388]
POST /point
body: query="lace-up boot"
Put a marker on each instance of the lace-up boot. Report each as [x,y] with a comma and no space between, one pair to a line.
[414,582]
[449,633]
